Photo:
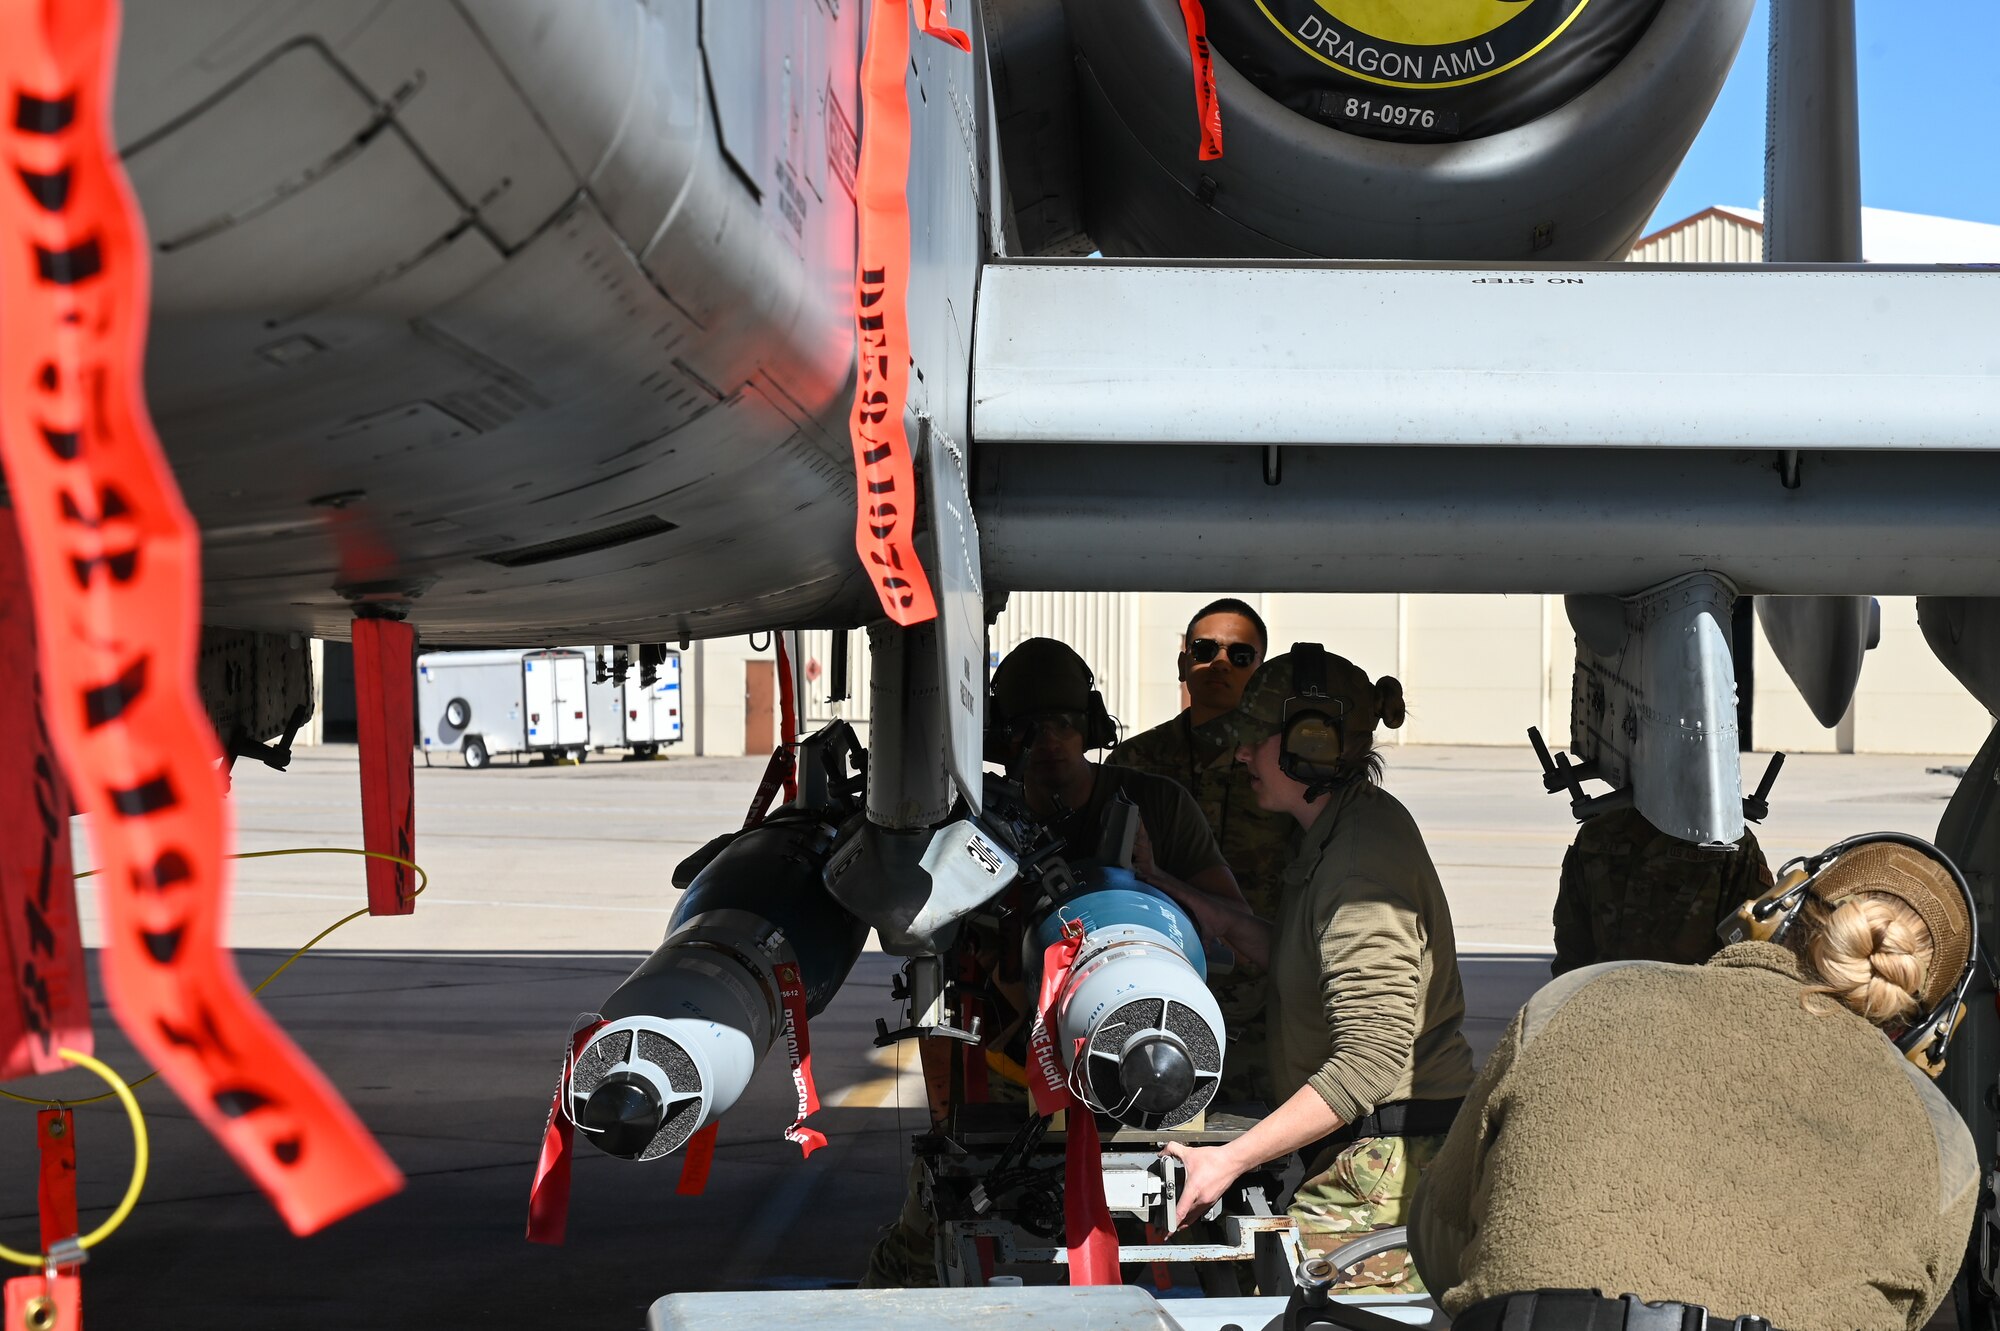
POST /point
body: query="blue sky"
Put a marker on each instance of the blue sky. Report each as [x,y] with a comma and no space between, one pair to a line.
[1930,115]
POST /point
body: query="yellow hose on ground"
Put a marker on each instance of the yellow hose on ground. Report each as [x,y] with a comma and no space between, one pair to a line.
[423,881]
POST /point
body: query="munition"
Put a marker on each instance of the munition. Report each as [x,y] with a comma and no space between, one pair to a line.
[1136,998]
[686,1030]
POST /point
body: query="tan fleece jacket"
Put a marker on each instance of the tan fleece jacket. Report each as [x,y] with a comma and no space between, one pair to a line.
[1694,1133]
[1365,996]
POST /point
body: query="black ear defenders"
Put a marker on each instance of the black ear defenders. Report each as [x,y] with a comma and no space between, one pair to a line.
[1313,728]
[1099,730]
[1770,917]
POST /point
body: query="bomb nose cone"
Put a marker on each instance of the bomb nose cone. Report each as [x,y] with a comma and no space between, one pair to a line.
[1157,1075]
[622,1115]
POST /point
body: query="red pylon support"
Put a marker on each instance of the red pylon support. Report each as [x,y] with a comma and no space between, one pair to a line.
[385,722]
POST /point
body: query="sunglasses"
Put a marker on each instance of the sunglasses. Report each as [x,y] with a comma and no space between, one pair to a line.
[1204,650]
[1026,728]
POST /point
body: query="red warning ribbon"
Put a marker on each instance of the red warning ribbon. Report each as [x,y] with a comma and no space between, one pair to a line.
[1088,1232]
[1048,1081]
[936,21]
[114,563]
[788,715]
[798,1052]
[1087,1228]
[696,1161]
[47,1006]
[1207,105]
[1163,1272]
[884,469]
[548,1196]
[384,719]
[55,1191]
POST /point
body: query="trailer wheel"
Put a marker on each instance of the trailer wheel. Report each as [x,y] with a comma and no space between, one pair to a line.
[646,752]
[475,753]
[583,754]
[458,714]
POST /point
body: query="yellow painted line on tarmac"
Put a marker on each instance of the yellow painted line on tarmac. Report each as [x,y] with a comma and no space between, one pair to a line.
[878,1091]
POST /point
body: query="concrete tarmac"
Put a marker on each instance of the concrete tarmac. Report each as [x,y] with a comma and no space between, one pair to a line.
[445,1029]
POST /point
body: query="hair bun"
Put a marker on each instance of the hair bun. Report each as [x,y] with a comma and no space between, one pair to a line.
[1389,699]
[1872,951]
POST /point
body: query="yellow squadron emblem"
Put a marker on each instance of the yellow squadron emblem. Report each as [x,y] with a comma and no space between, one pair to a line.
[1424,22]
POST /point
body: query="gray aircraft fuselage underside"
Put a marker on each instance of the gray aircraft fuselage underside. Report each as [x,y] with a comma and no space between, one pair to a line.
[542,332]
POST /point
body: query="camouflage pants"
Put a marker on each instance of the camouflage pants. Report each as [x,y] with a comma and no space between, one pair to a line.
[905,1251]
[1365,1186]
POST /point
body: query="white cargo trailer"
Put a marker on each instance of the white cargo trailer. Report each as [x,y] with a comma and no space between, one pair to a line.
[653,715]
[483,704]
[607,721]
[632,716]
[557,685]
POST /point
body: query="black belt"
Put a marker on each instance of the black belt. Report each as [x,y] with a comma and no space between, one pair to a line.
[1397,1118]
[1588,1310]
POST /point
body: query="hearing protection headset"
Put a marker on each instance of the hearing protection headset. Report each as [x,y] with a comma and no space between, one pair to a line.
[1099,730]
[1313,725]
[1770,917]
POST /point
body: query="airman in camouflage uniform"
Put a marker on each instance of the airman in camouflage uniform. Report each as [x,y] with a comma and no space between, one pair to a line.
[1045,715]
[1630,892]
[1224,644]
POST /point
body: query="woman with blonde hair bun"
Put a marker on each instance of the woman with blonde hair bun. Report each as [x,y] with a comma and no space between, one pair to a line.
[1734,1140]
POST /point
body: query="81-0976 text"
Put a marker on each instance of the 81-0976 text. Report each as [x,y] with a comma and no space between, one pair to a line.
[1389,113]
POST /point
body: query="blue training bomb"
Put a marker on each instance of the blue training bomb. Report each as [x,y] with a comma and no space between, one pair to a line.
[686,1029]
[1137,998]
